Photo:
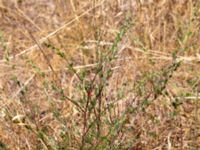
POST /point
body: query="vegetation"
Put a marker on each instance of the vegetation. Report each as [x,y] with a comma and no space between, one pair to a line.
[99,74]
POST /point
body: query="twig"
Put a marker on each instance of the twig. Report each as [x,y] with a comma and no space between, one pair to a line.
[25,85]
[40,48]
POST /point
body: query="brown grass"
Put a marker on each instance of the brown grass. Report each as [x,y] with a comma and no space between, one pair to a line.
[34,33]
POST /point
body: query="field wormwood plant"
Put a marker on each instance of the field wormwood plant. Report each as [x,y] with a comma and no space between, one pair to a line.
[99,75]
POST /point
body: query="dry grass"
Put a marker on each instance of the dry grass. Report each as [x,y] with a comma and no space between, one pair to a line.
[55,91]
